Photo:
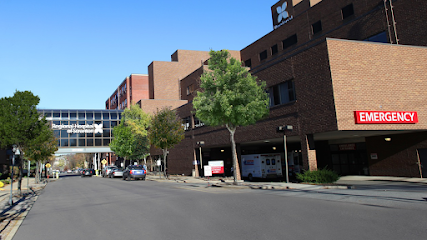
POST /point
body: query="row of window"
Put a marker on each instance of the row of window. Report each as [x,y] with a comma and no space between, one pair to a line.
[84,115]
[186,123]
[84,142]
[316,28]
[62,134]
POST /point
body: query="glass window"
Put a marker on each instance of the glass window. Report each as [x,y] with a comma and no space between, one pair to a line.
[347,11]
[273,161]
[73,122]
[106,133]
[89,134]
[64,134]
[81,142]
[98,142]
[64,115]
[186,122]
[316,27]
[106,124]
[106,142]
[73,142]
[248,63]
[263,55]
[113,115]
[97,116]
[73,115]
[113,124]
[274,49]
[48,114]
[57,133]
[56,122]
[267,161]
[56,115]
[289,41]
[82,115]
[89,115]
[106,116]
[64,142]
[89,142]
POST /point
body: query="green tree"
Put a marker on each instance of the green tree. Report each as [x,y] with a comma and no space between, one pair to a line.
[130,136]
[20,123]
[230,96]
[41,147]
[165,131]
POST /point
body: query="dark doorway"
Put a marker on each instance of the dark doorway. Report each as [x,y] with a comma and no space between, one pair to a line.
[423,160]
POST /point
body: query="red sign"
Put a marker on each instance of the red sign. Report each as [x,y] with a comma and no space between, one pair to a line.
[374,117]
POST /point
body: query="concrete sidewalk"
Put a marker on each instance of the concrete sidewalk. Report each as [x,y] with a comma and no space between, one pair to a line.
[11,217]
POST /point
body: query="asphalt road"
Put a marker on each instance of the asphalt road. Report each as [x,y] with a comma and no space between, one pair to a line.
[98,208]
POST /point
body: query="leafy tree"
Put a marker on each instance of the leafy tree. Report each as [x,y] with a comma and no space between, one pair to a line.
[165,131]
[41,147]
[230,96]
[20,123]
[130,136]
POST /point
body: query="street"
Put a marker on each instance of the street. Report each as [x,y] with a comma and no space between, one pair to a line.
[102,208]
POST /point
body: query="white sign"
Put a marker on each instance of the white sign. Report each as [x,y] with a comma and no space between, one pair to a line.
[208,171]
[159,162]
[74,128]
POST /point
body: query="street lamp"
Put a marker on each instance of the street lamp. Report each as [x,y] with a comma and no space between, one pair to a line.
[15,151]
[201,143]
[284,129]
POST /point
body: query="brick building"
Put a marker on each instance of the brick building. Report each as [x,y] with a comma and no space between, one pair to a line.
[330,66]
[132,89]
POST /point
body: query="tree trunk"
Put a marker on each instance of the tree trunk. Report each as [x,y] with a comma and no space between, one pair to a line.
[36,177]
[236,168]
[165,153]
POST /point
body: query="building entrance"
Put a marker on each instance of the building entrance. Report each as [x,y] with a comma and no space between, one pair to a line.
[423,161]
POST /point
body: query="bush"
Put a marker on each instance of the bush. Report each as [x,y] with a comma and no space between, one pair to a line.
[318,176]
[5,181]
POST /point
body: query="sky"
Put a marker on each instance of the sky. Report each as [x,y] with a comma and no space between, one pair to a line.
[74,54]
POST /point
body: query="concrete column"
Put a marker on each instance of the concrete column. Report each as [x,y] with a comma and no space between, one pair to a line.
[308,151]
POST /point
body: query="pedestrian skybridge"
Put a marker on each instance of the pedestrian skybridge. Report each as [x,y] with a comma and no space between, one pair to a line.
[82,131]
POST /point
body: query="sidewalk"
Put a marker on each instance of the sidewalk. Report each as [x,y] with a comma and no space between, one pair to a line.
[346,182]
[11,217]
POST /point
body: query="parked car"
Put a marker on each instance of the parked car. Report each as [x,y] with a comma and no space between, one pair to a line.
[135,172]
[106,170]
[88,172]
[115,172]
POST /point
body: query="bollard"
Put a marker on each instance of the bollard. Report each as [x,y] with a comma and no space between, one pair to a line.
[57,175]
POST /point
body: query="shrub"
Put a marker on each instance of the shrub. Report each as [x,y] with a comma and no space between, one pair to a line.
[5,181]
[318,176]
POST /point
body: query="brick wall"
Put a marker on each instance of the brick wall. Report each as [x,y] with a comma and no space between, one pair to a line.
[378,77]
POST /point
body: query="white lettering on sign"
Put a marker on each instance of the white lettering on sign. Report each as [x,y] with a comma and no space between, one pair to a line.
[74,128]
[385,117]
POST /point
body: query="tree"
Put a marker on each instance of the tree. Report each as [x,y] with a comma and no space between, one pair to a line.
[41,147]
[20,123]
[130,136]
[165,131]
[230,96]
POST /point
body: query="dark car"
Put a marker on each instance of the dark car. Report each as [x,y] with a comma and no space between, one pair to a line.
[135,172]
[87,172]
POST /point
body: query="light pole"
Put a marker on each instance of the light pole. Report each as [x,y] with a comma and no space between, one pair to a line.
[284,129]
[15,151]
[201,143]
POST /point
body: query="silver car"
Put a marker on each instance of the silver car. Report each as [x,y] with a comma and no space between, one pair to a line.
[115,172]
[106,171]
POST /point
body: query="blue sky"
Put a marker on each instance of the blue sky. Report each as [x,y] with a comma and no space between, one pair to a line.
[73,54]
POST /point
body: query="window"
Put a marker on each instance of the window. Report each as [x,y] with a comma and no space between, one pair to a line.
[274,49]
[187,123]
[267,161]
[263,55]
[198,123]
[248,63]
[282,93]
[380,37]
[316,27]
[190,89]
[289,41]
[347,11]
